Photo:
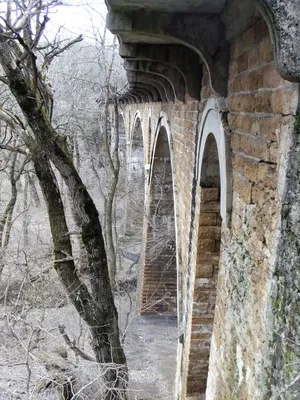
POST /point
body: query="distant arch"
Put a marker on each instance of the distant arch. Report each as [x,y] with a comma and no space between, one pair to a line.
[136,120]
[122,137]
[159,282]
[135,181]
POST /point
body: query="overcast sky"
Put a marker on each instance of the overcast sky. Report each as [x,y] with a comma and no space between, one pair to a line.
[81,17]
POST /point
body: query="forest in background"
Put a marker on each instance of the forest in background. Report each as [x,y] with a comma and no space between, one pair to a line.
[42,358]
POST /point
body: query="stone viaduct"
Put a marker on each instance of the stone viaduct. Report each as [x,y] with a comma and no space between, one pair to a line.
[212,109]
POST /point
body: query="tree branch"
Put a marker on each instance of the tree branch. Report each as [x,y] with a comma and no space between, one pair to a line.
[13,149]
[72,346]
[39,33]
[54,53]
[8,11]
[18,37]
[13,121]
[62,260]
[4,80]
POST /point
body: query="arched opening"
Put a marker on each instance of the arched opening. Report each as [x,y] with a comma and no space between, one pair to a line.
[149,135]
[136,183]
[122,139]
[159,283]
[206,271]
[119,133]
[137,151]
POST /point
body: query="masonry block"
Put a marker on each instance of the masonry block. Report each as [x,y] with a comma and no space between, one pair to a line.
[207,219]
[242,186]
[210,194]
[209,232]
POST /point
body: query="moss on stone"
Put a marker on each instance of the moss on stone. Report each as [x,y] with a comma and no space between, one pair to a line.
[224,118]
[278,306]
[297,124]
[288,367]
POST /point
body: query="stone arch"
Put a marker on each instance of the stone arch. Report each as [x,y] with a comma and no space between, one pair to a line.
[149,133]
[137,117]
[135,180]
[119,132]
[212,123]
[285,36]
[122,137]
[159,282]
[211,213]
[137,145]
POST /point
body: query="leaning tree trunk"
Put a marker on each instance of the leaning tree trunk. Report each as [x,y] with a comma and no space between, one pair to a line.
[25,222]
[113,169]
[6,218]
[33,97]
[98,316]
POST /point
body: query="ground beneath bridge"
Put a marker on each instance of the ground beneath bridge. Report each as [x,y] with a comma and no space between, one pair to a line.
[151,347]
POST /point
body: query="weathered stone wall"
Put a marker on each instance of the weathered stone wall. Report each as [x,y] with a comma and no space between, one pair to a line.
[204,296]
[180,121]
[261,118]
[254,316]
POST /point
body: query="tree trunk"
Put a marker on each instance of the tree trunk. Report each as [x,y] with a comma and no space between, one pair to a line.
[9,216]
[97,308]
[101,317]
[25,209]
[6,219]
[113,169]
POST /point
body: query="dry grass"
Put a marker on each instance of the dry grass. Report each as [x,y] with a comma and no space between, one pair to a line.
[33,353]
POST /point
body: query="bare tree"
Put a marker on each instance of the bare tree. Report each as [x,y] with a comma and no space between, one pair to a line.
[21,33]
[98,80]
[15,170]
[13,163]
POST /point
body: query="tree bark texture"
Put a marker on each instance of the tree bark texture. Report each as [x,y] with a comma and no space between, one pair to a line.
[97,308]
[105,339]
[6,220]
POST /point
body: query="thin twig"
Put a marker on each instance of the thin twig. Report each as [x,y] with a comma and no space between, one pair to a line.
[72,346]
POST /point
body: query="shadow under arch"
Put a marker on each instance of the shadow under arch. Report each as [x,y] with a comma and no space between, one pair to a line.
[159,281]
[212,211]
